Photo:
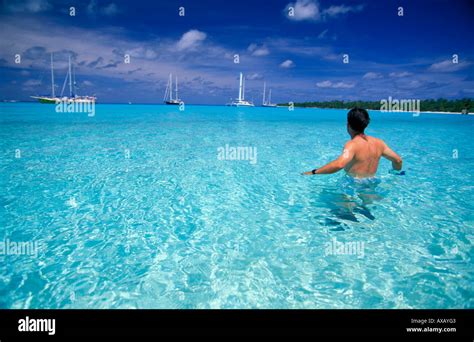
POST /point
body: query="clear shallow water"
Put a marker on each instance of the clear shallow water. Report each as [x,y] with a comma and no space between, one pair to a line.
[172,226]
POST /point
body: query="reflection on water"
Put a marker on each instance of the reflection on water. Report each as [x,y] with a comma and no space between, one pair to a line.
[351,200]
[174,227]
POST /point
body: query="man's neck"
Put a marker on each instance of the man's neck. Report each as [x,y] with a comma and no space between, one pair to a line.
[355,134]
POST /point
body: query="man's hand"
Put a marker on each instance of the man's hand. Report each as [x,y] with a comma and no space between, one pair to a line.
[308,173]
[393,157]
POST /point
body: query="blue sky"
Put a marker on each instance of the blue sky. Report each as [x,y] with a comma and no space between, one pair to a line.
[300,56]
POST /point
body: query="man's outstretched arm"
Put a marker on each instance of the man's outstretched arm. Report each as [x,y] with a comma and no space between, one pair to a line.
[336,165]
[393,157]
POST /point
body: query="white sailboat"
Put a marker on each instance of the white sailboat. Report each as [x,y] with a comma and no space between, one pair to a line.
[168,98]
[73,97]
[52,98]
[241,102]
[267,102]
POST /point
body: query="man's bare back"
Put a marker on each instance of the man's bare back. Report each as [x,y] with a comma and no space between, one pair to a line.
[366,152]
[361,155]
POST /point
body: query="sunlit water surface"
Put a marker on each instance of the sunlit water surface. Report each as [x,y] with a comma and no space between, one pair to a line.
[132,208]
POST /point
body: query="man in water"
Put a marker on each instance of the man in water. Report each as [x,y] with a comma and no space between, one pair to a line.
[361,155]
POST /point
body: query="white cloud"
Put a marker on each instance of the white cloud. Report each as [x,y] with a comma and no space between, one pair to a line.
[303,10]
[413,84]
[254,76]
[447,66]
[400,74]
[94,56]
[372,76]
[33,6]
[190,40]
[258,51]
[142,52]
[324,84]
[329,84]
[343,85]
[287,64]
[310,10]
[335,11]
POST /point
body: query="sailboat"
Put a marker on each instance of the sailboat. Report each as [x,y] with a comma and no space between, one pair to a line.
[73,97]
[241,102]
[168,98]
[267,102]
[52,98]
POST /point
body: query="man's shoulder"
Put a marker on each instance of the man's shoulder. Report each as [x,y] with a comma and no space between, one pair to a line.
[378,141]
[349,144]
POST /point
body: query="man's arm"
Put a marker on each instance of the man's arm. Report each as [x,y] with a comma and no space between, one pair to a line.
[336,165]
[393,157]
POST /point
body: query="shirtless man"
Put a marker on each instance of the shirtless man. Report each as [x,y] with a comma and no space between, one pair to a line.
[361,155]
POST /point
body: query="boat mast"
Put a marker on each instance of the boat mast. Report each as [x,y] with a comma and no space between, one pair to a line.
[240,88]
[74,80]
[263,102]
[243,88]
[176,88]
[270,97]
[166,90]
[171,87]
[70,77]
[52,77]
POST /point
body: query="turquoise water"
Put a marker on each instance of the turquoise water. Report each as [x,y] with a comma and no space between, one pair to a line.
[133,208]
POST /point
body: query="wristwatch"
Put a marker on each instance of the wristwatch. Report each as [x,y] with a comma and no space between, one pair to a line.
[314,171]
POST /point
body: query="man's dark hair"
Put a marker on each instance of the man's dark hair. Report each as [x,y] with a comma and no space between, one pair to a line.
[358,119]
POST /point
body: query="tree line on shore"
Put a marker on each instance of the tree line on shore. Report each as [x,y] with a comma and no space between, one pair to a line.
[439,105]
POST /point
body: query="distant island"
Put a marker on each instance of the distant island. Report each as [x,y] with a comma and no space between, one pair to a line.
[464,106]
